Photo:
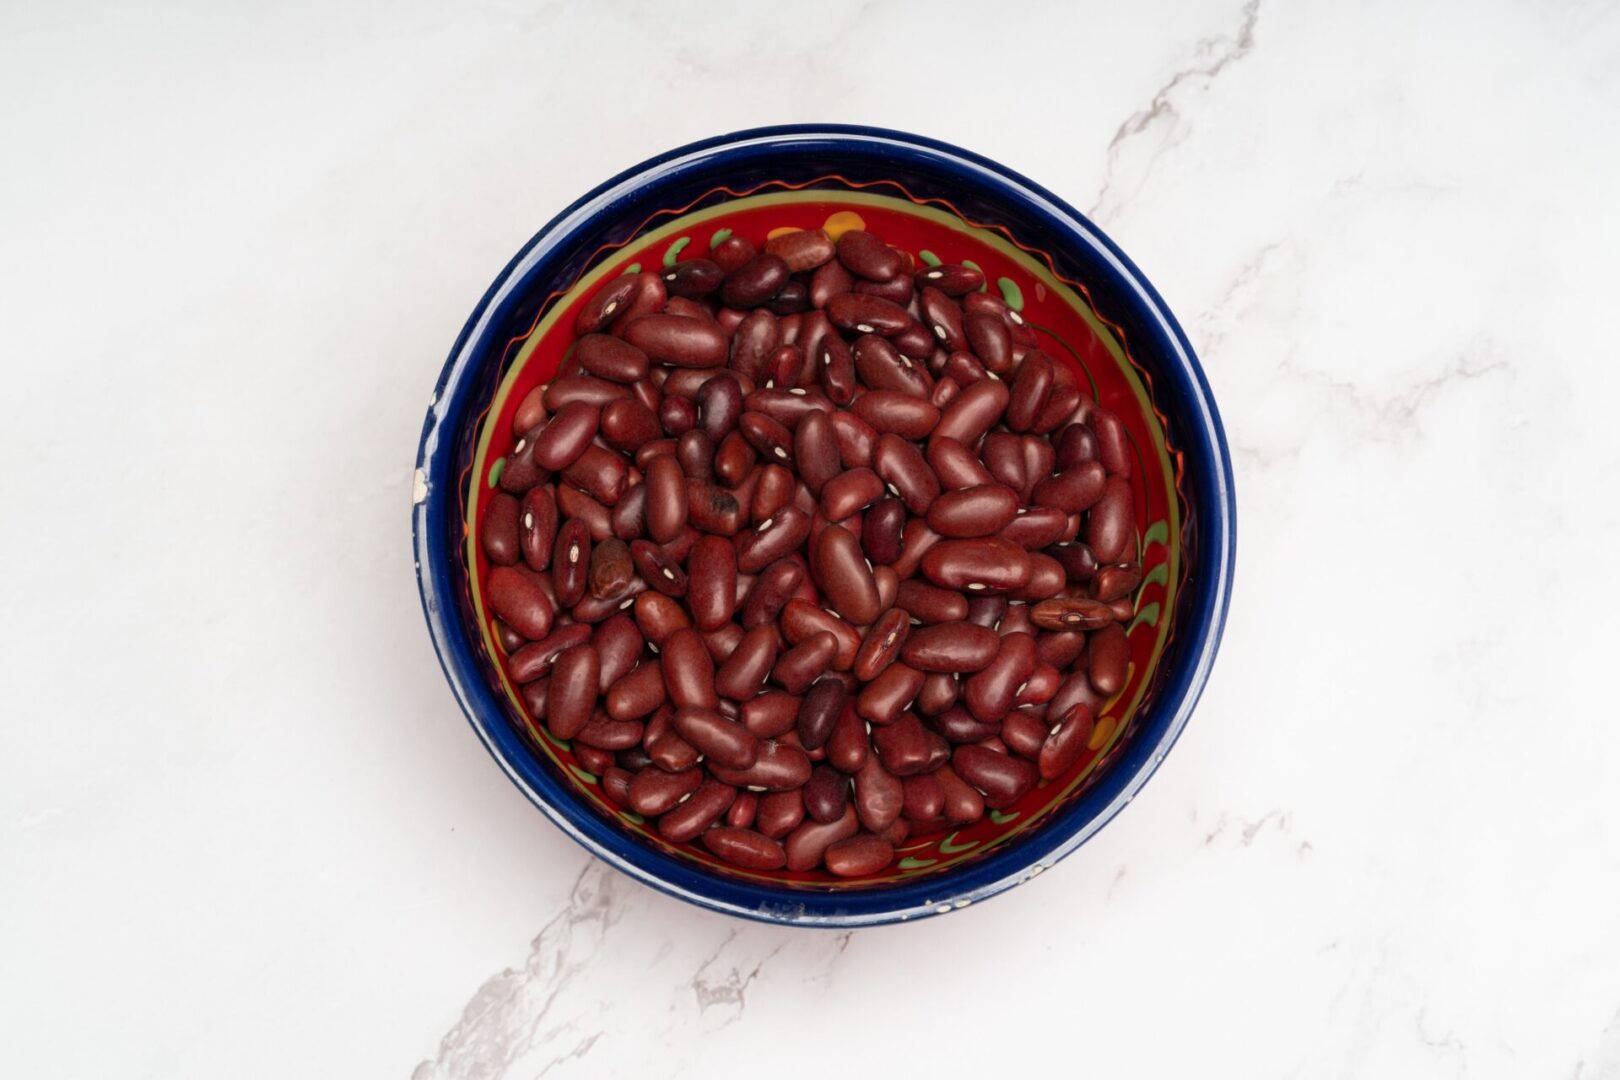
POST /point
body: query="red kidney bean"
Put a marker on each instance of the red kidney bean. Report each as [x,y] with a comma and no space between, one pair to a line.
[803,249]
[939,692]
[610,569]
[636,694]
[976,511]
[609,358]
[987,336]
[1041,684]
[942,318]
[1113,450]
[807,844]
[712,573]
[783,368]
[724,742]
[958,470]
[856,439]
[963,804]
[903,746]
[570,559]
[609,734]
[648,297]
[849,491]
[952,647]
[897,413]
[753,343]
[1003,456]
[616,786]
[566,435]
[772,492]
[733,252]
[693,278]
[1001,778]
[1024,733]
[841,571]
[719,405]
[741,814]
[628,518]
[678,340]
[882,644]
[618,643]
[819,711]
[828,281]
[677,415]
[987,564]
[531,412]
[989,694]
[1066,744]
[1111,525]
[1071,613]
[510,640]
[1046,578]
[535,659]
[772,539]
[744,847]
[890,693]
[779,813]
[1077,561]
[1115,582]
[712,509]
[605,305]
[755,282]
[923,797]
[580,390]
[1035,527]
[574,503]
[746,669]
[500,529]
[1072,490]
[537,526]
[931,604]
[898,291]
[901,466]
[826,796]
[878,794]
[657,616]
[773,441]
[653,791]
[866,314]
[859,856]
[1108,654]
[848,748]
[881,531]
[866,256]
[952,279]
[520,600]
[1076,444]
[987,611]
[801,665]
[700,809]
[771,591]
[666,499]
[882,367]
[973,413]
[688,671]
[780,766]
[573,691]
[1029,391]
[958,725]
[771,714]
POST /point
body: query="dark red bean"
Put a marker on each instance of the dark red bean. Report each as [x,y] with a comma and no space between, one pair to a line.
[712,573]
[849,491]
[594,760]
[754,282]
[903,746]
[987,336]
[1073,490]
[771,592]
[856,439]
[535,659]
[1029,391]
[570,560]
[693,278]
[500,529]
[771,714]
[600,473]
[858,856]
[977,511]
[987,564]
[1024,733]
[1001,778]
[952,279]
[882,367]
[942,318]
[878,794]
[963,804]
[923,797]
[780,766]
[741,814]
[628,518]
[1066,744]
[779,813]
[866,256]
[986,610]
[637,694]
[881,530]
[699,810]
[610,569]
[749,665]
[616,786]
[1111,525]
[890,693]
[666,499]
[803,249]
[752,344]
[609,734]
[712,509]
[772,539]
[828,281]
[1077,561]
[931,604]
[801,665]
[688,671]
[649,297]
[733,252]
[1035,527]
[957,468]
[520,599]
[1071,613]
[819,710]
[1115,581]
[882,645]
[1046,578]
[898,291]
[654,791]
[573,691]
[1108,655]
[958,725]
[953,647]
[902,468]
[609,358]
[537,525]
[1113,449]
[866,315]
[744,847]
[607,304]
[581,390]
[841,571]
[849,746]
[901,414]
[678,340]
[807,844]
[531,412]
[974,411]
[989,694]
[826,796]
[725,742]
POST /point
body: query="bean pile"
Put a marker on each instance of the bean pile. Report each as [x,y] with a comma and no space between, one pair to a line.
[809,550]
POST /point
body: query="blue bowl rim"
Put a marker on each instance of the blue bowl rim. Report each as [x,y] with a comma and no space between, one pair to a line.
[1209,582]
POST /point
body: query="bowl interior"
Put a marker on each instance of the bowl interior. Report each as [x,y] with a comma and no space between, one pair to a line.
[1073,328]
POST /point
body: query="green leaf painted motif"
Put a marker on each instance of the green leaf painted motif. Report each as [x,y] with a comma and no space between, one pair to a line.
[675,250]
[928,257]
[1001,819]
[633,268]
[495,471]
[1160,574]
[589,778]
[720,236]
[949,846]
[631,815]
[911,863]
[1158,532]
[1149,615]
[1011,293]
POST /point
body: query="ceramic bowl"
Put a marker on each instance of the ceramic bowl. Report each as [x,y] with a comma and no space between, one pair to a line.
[1090,307]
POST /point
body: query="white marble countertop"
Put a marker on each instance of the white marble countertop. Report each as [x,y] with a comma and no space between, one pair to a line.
[244,830]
